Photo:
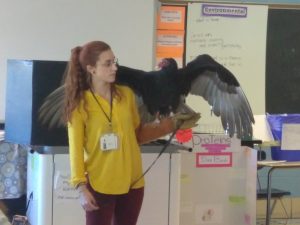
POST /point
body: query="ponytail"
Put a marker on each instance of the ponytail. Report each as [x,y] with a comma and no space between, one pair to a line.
[77,78]
[75,83]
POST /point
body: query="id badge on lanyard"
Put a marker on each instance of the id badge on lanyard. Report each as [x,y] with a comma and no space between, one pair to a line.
[109,141]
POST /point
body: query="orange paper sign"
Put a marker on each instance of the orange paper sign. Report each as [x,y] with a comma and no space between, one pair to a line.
[170,41]
[171,18]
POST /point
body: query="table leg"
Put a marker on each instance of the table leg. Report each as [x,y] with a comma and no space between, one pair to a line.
[269,193]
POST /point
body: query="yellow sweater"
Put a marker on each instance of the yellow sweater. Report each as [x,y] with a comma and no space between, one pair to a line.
[109,172]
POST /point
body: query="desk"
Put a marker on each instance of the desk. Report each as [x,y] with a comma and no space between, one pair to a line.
[273,165]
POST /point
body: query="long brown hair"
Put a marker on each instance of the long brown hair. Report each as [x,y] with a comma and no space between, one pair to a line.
[78,79]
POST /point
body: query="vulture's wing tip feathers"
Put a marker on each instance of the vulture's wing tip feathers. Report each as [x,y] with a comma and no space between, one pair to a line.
[51,111]
[220,88]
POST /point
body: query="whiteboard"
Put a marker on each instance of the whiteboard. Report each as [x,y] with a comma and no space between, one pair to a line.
[236,41]
[48,29]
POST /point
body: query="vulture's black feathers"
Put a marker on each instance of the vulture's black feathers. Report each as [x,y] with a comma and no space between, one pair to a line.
[164,91]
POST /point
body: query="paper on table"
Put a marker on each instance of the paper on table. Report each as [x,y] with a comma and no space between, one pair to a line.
[262,131]
[290,136]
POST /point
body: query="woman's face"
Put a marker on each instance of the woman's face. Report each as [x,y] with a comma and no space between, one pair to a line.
[105,68]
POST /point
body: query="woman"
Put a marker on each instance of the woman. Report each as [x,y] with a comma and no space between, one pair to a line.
[104,135]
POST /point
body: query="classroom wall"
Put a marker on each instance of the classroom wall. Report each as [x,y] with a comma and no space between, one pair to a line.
[48,29]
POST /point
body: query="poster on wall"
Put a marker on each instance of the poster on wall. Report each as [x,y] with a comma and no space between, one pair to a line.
[171,18]
[170,34]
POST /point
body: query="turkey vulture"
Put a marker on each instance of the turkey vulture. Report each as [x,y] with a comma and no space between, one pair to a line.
[164,91]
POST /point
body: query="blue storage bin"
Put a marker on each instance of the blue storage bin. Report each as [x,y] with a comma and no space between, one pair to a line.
[275,122]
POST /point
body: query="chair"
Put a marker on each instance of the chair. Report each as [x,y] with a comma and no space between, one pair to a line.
[276,194]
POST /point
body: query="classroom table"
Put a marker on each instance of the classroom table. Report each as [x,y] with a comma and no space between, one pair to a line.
[274,165]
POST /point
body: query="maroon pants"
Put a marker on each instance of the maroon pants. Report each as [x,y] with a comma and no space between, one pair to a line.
[121,209]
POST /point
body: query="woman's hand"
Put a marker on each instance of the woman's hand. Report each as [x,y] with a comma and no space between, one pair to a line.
[86,199]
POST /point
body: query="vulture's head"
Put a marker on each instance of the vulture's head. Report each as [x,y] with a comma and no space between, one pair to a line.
[168,64]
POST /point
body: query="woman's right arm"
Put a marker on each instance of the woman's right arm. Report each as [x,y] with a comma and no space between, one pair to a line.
[78,178]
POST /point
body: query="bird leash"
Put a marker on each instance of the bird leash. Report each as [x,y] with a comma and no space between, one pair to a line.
[165,146]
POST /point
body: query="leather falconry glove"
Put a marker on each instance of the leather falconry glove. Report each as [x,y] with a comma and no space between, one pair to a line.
[185,120]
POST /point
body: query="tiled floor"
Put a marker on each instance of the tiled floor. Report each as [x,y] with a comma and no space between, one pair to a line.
[279,222]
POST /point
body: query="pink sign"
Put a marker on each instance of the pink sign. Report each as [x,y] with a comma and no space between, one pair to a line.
[214,159]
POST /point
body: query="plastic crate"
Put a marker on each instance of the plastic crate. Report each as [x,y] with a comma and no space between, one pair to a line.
[275,122]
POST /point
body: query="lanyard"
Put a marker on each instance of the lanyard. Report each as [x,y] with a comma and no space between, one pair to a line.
[109,118]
